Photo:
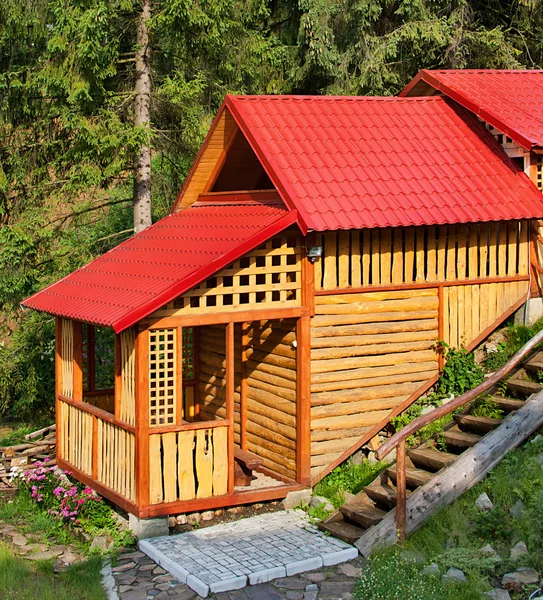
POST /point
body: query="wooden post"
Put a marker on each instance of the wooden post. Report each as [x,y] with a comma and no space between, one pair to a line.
[78,361]
[142,421]
[308,277]
[58,383]
[243,386]
[400,491]
[303,401]
[230,386]
[91,358]
[118,375]
[440,325]
[179,409]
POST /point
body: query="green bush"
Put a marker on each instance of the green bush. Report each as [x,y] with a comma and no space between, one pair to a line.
[460,373]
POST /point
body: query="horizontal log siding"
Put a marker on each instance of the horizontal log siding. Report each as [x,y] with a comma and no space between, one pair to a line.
[369,353]
[212,374]
[361,258]
[271,394]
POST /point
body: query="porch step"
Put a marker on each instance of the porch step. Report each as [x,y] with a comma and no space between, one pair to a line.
[341,529]
[460,440]
[507,404]
[413,477]
[382,493]
[362,514]
[521,386]
[429,458]
[535,363]
[476,424]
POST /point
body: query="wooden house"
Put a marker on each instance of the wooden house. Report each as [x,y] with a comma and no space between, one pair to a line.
[291,302]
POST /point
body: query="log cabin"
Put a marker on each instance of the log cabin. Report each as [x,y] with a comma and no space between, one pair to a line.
[292,301]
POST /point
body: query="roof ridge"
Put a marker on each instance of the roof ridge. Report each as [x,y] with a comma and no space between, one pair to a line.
[336,98]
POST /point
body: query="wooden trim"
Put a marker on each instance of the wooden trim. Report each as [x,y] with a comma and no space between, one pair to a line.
[58,381]
[303,400]
[118,376]
[97,412]
[421,285]
[91,358]
[189,426]
[200,504]
[142,418]
[253,196]
[103,490]
[225,318]
[78,361]
[244,385]
[230,388]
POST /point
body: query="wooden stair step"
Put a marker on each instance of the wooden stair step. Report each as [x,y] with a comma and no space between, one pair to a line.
[507,404]
[460,439]
[344,531]
[535,363]
[521,386]
[413,477]
[363,515]
[382,493]
[430,458]
[476,424]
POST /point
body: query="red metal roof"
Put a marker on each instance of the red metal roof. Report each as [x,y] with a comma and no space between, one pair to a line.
[511,101]
[362,162]
[150,269]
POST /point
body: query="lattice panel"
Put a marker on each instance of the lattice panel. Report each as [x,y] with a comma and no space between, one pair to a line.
[162,377]
[265,277]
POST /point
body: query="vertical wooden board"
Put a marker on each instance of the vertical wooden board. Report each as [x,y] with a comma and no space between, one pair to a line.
[100,442]
[204,464]
[501,292]
[445,314]
[453,316]
[220,461]
[492,299]
[432,254]
[155,470]
[397,256]
[421,254]
[344,278]
[356,264]
[476,328]
[169,443]
[502,249]
[318,262]
[473,258]
[375,257]
[461,252]
[441,252]
[451,253]
[185,465]
[483,250]
[386,255]
[512,246]
[483,307]
[409,262]
[330,260]
[366,256]
[524,250]
[492,249]
[468,324]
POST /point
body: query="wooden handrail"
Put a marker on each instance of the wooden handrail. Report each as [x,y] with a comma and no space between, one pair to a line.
[398,440]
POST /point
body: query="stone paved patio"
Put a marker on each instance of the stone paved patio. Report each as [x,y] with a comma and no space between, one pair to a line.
[252,551]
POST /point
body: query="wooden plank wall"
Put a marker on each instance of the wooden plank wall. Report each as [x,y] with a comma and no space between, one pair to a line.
[271,394]
[115,456]
[369,353]
[127,348]
[212,370]
[75,443]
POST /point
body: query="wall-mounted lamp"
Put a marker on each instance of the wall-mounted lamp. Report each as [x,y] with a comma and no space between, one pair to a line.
[313,253]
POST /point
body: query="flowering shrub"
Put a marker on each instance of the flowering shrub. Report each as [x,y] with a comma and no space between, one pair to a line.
[51,487]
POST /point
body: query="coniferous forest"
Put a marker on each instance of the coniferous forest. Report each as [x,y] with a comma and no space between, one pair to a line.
[104,104]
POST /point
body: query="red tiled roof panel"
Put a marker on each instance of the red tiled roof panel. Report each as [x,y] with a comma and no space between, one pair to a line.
[511,101]
[150,269]
[362,162]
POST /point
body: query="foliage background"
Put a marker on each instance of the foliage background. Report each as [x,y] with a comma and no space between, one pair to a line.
[67,140]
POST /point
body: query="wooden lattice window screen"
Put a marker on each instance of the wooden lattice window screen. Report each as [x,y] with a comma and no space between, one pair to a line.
[67,357]
[162,377]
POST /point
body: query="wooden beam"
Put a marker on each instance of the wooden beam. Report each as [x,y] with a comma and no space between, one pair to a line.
[142,418]
[78,361]
[467,470]
[58,382]
[179,414]
[230,388]
[118,376]
[303,400]
[244,384]
[91,358]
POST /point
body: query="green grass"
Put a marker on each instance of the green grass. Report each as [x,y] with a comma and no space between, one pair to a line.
[23,580]
[454,536]
[16,435]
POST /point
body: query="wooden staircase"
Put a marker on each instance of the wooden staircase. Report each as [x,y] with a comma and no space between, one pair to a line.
[366,510]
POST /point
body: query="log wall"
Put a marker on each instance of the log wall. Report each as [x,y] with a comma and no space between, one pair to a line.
[271,393]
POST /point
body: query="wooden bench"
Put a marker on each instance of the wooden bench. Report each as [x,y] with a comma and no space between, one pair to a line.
[244,463]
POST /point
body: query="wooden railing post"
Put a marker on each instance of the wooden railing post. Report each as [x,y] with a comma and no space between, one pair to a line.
[230,387]
[244,384]
[142,421]
[401,491]
[77,361]
[58,384]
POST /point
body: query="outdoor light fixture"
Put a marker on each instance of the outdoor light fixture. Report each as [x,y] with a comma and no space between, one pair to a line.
[313,253]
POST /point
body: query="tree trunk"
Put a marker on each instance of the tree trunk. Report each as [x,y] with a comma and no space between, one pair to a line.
[142,118]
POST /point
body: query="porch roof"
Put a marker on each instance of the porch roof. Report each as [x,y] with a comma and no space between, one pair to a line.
[153,267]
[510,101]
